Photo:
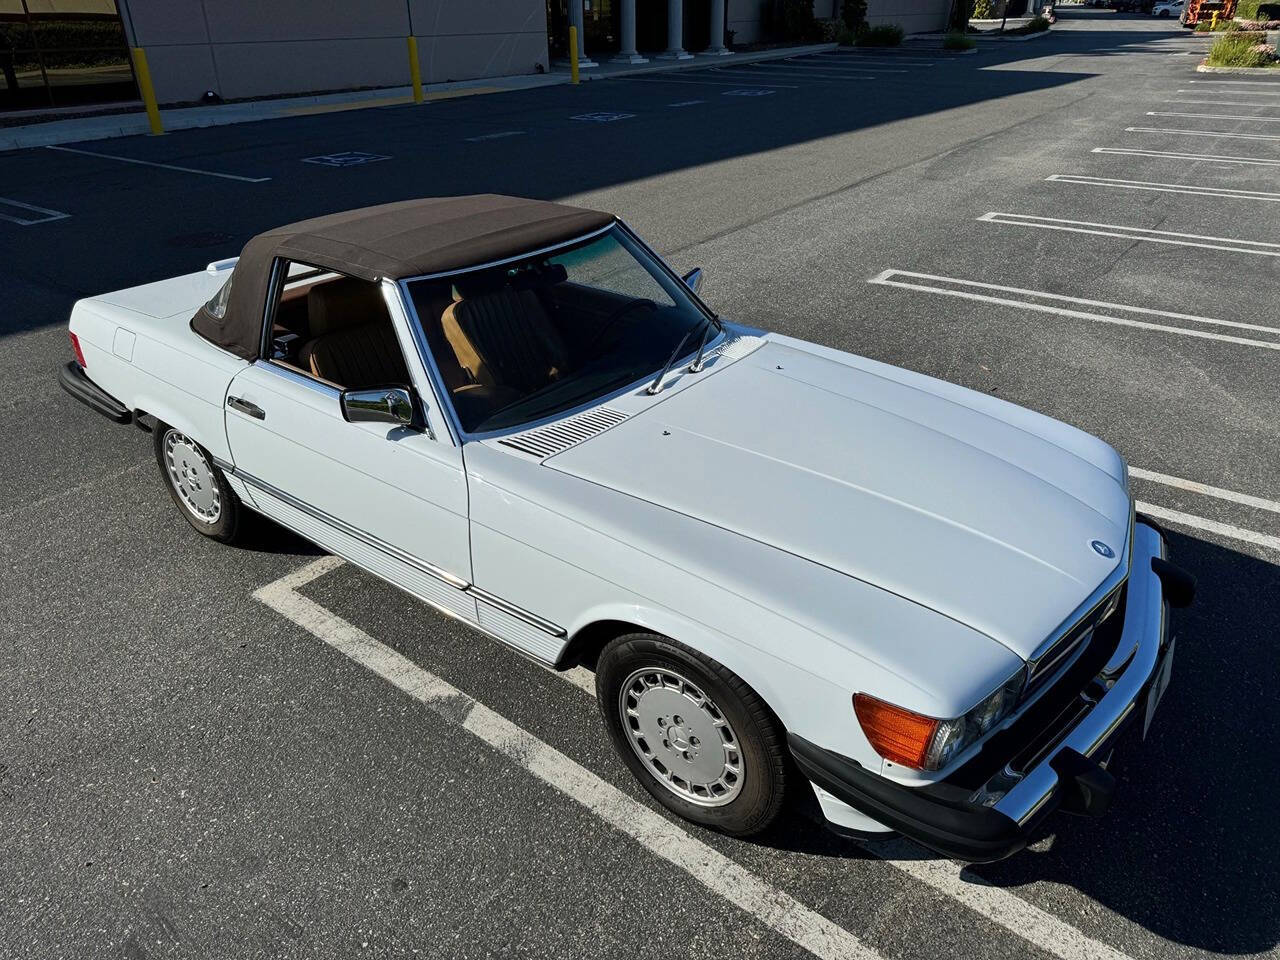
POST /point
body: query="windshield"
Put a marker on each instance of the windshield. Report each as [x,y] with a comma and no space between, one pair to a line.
[534,337]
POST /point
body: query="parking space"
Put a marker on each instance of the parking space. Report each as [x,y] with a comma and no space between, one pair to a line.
[216,752]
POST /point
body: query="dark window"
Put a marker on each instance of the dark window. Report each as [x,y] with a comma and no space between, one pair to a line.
[74,54]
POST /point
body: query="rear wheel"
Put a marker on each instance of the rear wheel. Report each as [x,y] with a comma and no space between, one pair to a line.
[196,485]
[696,736]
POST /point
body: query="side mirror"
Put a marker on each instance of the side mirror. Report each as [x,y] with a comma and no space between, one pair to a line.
[693,279]
[396,405]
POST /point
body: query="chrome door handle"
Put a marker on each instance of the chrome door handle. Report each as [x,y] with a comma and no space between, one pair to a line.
[244,406]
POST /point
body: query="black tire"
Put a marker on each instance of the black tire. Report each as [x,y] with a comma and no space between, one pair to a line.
[226,524]
[764,762]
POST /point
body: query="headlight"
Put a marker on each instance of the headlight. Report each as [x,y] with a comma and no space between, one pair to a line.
[925,743]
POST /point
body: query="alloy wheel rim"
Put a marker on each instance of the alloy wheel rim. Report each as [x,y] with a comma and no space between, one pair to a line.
[683,739]
[191,477]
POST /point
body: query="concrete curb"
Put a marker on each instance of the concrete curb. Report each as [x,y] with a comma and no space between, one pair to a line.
[110,126]
[700,62]
[1266,71]
[1014,38]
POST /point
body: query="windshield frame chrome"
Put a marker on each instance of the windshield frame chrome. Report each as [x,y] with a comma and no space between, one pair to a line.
[463,436]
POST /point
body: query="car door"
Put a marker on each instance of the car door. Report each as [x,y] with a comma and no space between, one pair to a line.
[391,499]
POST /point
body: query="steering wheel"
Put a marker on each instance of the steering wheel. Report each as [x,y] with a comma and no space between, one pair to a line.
[614,317]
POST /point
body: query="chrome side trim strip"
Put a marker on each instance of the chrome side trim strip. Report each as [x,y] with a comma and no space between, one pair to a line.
[546,626]
[376,542]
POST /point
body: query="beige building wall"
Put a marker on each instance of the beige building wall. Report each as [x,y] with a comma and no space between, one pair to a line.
[260,48]
[913,16]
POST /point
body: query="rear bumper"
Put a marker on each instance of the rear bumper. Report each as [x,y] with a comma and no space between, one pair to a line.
[996,819]
[76,382]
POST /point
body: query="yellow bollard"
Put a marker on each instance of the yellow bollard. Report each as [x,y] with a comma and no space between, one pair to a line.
[147,90]
[1213,22]
[415,70]
[573,54]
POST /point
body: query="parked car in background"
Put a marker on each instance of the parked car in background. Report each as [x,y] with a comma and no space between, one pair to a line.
[789,566]
[1168,8]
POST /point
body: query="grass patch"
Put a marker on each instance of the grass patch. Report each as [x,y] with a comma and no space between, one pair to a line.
[1241,50]
[885,35]
[958,41]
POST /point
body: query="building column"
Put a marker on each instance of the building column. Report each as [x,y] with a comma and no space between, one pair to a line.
[717,47]
[628,52]
[675,33]
[575,20]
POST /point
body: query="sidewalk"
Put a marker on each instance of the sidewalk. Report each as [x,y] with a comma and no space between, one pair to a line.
[108,125]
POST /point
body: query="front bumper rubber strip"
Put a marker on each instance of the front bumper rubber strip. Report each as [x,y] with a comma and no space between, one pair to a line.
[74,380]
[963,831]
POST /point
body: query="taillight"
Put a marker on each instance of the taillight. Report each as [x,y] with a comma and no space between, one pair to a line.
[896,734]
[75,346]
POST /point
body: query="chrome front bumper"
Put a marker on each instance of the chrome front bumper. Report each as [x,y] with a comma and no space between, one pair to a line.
[1129,674]
[1068,766]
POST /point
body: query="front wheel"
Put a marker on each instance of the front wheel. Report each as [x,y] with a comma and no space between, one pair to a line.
[196,485]
[697,737]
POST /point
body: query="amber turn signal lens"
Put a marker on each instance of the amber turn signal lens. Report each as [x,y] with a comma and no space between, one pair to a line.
[897,735]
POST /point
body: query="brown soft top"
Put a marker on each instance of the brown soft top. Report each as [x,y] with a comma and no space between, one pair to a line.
[392,241]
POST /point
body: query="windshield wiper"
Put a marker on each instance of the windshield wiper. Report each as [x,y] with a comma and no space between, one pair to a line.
[656,387]
[696,366]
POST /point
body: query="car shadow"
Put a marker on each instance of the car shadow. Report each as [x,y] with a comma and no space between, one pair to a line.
[263,535]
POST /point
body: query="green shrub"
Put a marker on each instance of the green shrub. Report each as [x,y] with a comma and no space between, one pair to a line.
[1258,10]
[1240,50]
[798,22]
[885,35]
[958,41]
[845,37]
[984,9]
[1037,24]
[854,15]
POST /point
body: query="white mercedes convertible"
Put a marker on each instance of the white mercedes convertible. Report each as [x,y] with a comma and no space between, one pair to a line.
[789,567]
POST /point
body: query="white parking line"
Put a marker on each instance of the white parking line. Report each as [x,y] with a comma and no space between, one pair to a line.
[47,214]
[721,875]
[1201,133]
[788,74]
[725,877]
[705,83]
[1027,300]
[1191,189]
[1194,486]
[1240,83]
[1209,526]
[1225,103]
[850,65]
[859,57]
[1168,155]
[998,905]
[816,69]
[685,103]
[495,136]
[1142,234]
[162,166]
[1211,116]
[1247,93]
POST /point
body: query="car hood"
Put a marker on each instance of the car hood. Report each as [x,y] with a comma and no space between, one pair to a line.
[977,509]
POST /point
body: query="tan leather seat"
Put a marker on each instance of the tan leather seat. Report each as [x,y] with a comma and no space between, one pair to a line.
[504,338]
[353,343]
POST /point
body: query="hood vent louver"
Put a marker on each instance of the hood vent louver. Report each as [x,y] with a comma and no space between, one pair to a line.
[557,437]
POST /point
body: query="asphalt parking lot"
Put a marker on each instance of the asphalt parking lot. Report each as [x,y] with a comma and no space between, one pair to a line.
[192,763]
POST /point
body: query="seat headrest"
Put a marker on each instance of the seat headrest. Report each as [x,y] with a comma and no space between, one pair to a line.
[339,304]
